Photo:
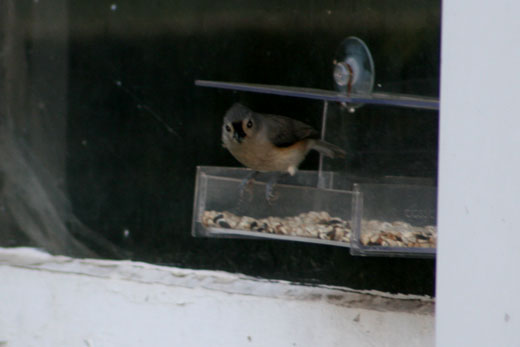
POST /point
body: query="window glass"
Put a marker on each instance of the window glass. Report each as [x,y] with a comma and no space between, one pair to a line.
[103,127]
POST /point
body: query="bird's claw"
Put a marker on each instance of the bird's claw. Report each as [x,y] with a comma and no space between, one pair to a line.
[247,186]
[270,195]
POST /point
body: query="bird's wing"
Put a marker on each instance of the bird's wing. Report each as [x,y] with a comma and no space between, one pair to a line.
[284,131]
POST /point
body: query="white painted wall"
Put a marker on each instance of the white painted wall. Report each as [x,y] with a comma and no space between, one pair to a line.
[478,275]
[59,301]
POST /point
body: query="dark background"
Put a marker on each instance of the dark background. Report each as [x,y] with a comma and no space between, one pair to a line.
[136,126]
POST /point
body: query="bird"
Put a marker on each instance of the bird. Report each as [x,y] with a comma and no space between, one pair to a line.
[270,143]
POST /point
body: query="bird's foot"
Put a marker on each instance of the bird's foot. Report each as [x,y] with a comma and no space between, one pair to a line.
[270,195]
[246,186]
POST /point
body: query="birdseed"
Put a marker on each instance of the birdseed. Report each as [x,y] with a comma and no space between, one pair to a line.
[322,226]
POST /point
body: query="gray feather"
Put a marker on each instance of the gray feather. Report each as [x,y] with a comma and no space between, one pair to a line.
[328,149]
[237,112]
[284,131]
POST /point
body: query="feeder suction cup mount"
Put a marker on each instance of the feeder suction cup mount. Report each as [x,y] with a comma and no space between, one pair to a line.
[354,70]
[354,76]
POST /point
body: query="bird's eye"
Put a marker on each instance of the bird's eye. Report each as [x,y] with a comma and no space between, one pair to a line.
[249,124]
[228,128]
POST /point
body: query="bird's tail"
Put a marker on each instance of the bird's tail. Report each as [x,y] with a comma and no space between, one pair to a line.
[328,149]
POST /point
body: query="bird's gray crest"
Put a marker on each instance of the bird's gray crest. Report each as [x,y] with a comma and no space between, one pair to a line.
[237,112]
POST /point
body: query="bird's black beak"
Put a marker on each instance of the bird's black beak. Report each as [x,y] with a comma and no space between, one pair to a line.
[239,133]
[237,137]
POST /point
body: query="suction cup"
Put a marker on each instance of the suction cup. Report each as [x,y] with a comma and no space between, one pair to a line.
[354,71]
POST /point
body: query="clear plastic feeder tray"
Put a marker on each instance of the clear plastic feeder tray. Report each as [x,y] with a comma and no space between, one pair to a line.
[300,212]
[395,219]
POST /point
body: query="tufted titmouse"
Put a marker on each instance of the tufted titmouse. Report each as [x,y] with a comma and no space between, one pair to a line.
[265,142]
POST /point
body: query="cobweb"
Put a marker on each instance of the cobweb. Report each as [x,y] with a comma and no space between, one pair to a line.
[35,209]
